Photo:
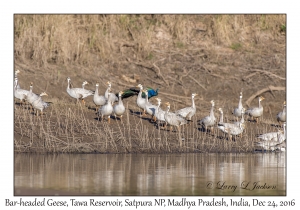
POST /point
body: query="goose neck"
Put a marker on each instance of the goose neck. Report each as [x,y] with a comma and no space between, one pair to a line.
[68,87]
[221,117]
[106,92]
[96,91]
[193,102]
[240,103]
[259,103]
[212,111]
[120,100]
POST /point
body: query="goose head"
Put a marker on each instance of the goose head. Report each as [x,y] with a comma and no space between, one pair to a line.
[241,94]
[108,83]
[84,83]
[261,98]
[17,72]
[167,104]
[212,102]
[220,110]
[97,84]
[120,93]
[194,94]
[140,86]
[158,100]
[145,91]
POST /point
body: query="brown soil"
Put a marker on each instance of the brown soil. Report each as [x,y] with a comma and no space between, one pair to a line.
[212,70]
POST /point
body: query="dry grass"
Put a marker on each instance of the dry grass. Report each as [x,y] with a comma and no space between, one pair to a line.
[80,39]
[72,128]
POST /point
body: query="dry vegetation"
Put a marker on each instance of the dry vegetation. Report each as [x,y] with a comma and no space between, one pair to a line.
[213,55]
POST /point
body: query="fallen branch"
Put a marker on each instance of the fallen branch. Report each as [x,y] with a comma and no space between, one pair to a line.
[153,68]
[270,88]
[268,73]
[159,73]
[197,82]
[248,76]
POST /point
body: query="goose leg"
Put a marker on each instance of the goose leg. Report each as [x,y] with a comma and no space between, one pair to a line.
[144,113]
[153,119]
[108,119]
[179,136]
[279,123]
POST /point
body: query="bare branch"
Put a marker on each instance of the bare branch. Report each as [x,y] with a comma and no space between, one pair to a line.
[268,73]
[197,82]
[270,88]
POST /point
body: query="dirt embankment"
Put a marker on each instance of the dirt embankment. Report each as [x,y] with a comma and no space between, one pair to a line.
[215,56]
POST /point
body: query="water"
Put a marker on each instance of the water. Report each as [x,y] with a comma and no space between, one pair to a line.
[150,174]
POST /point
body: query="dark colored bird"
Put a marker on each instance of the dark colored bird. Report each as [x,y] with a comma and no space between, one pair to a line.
[151,91]
[127,93]
[135,91]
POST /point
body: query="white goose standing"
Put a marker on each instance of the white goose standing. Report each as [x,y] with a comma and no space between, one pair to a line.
[188,112]
[119,108]
[114,97]
[281,116]
[16,76]
[107,109]
[209,121]
[256,112]
[150,108]
[141,102]
[99,100]
[237,112]
[173,119]
[39,104]
[78,93]
[20,93]
[159,113]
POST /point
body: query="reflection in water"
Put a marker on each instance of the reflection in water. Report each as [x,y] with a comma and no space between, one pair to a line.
[153,174]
